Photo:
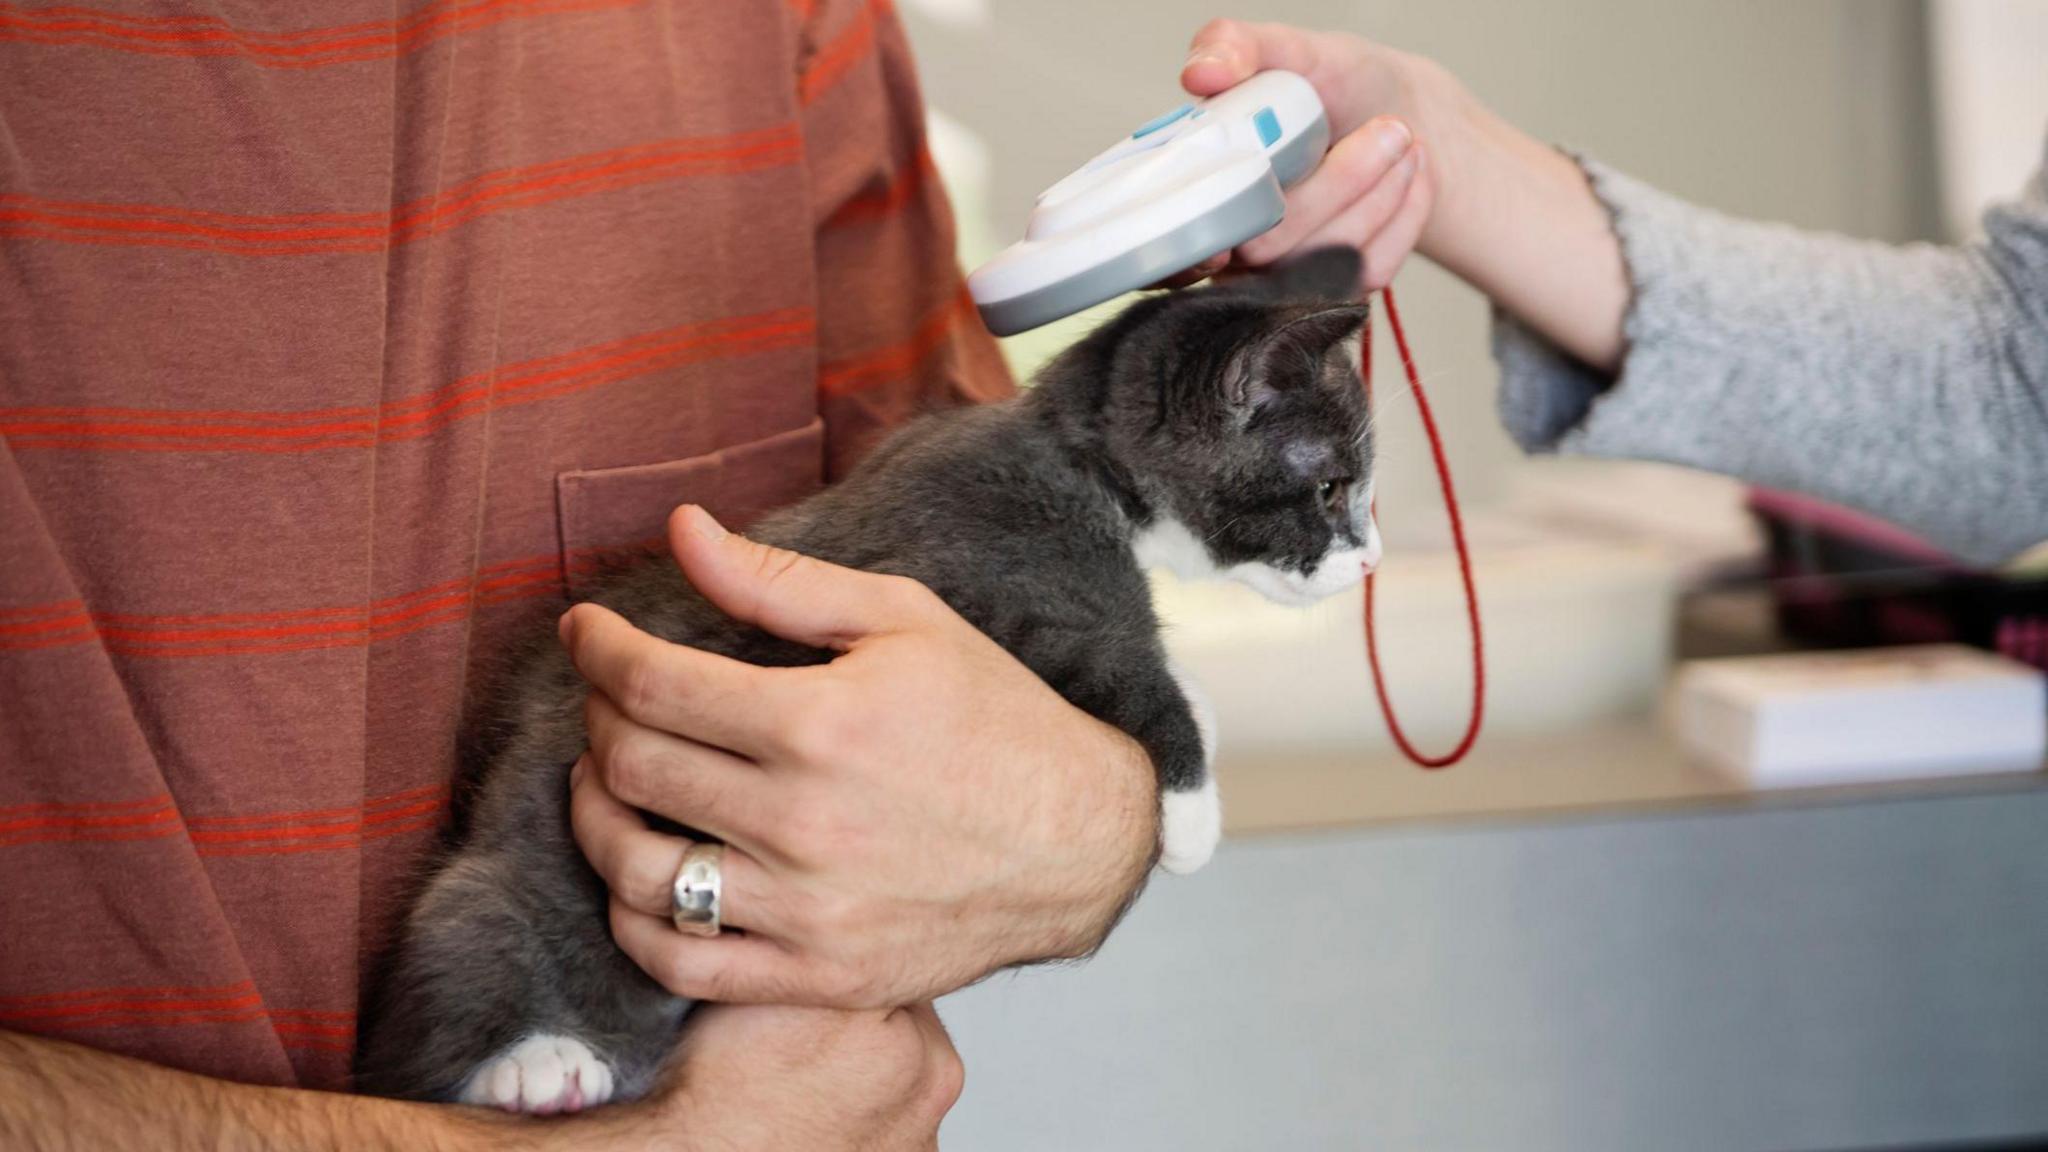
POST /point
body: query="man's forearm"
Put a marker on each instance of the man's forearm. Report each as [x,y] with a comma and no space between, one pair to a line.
[56,1096]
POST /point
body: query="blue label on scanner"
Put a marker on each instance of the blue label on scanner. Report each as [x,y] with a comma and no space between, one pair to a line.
[1268,125]
[1161,121]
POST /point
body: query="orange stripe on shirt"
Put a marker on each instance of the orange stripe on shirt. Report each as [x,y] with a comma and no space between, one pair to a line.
[90,1008]
[425,822]
[839,55]
[460,195]
[163,810]
[151,819]
[35,610]
[205,36]
[83,1009]
[525,382]
[314,831]
[326,626]
[314,816]
[883,365]
[907,187]
[243,834]
[28,217]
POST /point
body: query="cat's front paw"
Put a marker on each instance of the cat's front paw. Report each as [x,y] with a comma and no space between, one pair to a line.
[1190,825]
[541,1075]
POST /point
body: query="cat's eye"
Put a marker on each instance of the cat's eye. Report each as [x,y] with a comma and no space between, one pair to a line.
[1334,495]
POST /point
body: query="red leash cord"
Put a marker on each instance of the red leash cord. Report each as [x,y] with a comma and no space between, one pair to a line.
[1443,473]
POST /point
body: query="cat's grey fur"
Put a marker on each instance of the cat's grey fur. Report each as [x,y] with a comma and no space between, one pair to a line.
[1229,415]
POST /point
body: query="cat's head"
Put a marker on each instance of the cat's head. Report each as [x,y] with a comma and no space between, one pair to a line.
[1237,413]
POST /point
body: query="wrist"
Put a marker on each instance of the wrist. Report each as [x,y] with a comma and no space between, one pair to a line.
[1117,818]
[1517,219]
[1461,136]
[464,1129]
[438,1127]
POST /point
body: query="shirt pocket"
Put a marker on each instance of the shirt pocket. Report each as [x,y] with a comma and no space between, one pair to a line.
[613,514]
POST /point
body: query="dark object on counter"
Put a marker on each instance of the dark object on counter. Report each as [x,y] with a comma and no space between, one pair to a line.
[1842,579]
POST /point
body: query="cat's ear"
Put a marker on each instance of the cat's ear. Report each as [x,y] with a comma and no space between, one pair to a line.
[1319,331]
[1322,274]
[1246,386]
[1290,356]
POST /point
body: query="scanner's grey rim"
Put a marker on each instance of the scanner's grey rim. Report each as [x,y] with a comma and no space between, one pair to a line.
[1303,153]
[1238,219]
[1250,213]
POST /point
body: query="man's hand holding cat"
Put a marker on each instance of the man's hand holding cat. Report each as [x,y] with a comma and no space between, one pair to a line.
[771,1077]
[917,813]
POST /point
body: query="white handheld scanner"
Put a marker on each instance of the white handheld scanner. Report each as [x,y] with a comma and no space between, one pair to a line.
[1183,187]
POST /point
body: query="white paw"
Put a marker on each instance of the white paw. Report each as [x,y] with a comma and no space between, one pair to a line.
[541,1075]
[1190,824]
[1198,703]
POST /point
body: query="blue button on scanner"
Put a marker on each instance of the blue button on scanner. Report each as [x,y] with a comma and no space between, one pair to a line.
[1268,126]
[1161,121]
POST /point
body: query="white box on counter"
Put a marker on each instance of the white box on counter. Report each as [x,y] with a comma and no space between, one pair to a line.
[1813,718]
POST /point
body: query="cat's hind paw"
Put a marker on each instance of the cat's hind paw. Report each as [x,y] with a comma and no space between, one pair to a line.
[1190,825]
[541,1075]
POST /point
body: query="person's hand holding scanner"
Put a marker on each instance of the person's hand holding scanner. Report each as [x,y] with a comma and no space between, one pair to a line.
[1418,164]
[1375,188]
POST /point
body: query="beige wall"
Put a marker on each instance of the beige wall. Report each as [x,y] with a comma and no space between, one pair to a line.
[1814,113]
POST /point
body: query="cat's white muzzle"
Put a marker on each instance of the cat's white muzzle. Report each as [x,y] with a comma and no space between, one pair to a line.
[1340,569]
[1168,544]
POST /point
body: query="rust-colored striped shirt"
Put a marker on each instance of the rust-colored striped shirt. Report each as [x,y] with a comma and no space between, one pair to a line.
[335,341]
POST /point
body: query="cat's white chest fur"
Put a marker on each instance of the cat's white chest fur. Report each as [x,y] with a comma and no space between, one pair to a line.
[1191,820]
[1167,543]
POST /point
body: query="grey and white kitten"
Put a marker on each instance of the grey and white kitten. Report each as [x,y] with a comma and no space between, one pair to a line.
[1215,431]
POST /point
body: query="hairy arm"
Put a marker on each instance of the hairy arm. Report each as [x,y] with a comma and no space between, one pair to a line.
[748,1078]
[57,1097]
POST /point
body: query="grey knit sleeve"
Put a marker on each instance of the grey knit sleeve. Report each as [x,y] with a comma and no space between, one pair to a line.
[1909,382]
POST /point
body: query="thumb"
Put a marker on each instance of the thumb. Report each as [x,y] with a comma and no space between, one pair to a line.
[1226,52]
[785,593]
[1220,55]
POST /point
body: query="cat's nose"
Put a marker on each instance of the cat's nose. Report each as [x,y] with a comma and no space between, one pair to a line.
[1372,545]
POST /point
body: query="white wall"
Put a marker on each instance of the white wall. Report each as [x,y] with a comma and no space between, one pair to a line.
[1990,99]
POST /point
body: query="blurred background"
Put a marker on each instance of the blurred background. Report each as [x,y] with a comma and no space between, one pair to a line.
[1582,937]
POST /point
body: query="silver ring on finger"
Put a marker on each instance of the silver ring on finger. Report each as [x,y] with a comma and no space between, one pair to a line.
[694,897]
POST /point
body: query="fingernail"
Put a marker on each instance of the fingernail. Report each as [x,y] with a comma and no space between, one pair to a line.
[1391,137]
[1204,54]
[703,525]
[565,628]
[576,773]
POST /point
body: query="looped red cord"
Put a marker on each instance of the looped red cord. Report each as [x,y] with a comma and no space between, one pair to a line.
[1443,473]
